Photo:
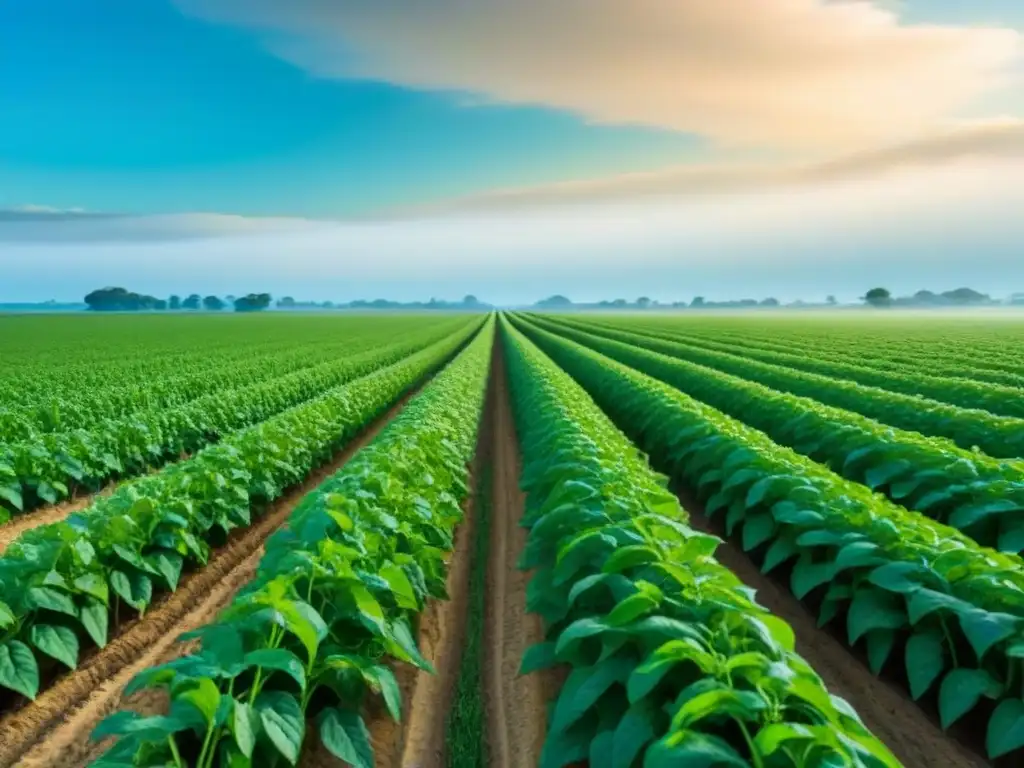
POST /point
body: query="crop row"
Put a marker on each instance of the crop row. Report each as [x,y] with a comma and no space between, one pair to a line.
[980,496]
[994,398]
[999,437]
[53,466]
[337,592]
[61,584]
[937,343]
[61,410]
[904,359]
[670,657]
[893,576]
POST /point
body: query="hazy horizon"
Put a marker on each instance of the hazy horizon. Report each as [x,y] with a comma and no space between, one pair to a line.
[513,151]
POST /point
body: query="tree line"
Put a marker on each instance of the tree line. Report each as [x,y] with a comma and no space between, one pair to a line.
[112,299]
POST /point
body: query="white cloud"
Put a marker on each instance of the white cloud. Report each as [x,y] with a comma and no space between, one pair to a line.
[1000,139]
[785,73]
[42,224]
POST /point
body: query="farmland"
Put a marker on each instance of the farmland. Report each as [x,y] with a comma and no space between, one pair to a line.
[513,539]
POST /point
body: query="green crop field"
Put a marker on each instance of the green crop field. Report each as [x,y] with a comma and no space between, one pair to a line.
[608,540]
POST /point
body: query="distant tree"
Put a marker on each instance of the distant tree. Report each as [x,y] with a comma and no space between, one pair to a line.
[286,303]
[112,299]
[192,302]
[831,300]
[160,305]
[680,304]
[619,303]
[643,302]
[174,302]
[878,297]
[965,296]
[253,302]
[926,297]
[770,302]
[470,300]
[327,304]
[213,304]
[554,302]
[698,302]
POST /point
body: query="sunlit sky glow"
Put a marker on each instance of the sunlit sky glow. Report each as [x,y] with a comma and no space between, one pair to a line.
[511,148]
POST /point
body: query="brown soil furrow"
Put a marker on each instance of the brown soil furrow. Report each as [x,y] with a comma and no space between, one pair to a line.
[516,705]
[886,710]
[53,731]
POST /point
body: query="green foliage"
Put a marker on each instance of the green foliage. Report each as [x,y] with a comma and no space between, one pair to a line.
[42,467]
[132,545]
[332,603]
[671,661]
[981,496]
[907,573]
[998,436]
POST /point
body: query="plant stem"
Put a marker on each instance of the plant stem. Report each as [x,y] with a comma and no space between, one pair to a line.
[755,756]
[174,751]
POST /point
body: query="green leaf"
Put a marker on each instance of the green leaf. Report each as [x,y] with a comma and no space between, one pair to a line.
[13,495]
[807,575]
[781,550]
[635,731]
[18,668]
[51,599]
[925,660]
[283,722]
[631,556]
[202,694]
[693,750]
[886,473]
[6,616]
[538,656]
[384,680]
[757,529]
[60,643]
[880,644]
[873,609]
[632,608]
[344,735]
[584,686]
[402,646]
[95,585]
[400,586]
[94,616]
[133,587]
[986,628]
[1005,728]
[245,727]
[961,690]
[279,659]
[729,702]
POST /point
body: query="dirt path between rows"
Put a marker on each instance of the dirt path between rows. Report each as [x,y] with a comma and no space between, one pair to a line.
[885,709]
[53,732]
[516,705]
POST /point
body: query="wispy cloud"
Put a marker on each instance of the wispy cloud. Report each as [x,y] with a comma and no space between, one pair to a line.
[40,224]
[804,74]
[977,143]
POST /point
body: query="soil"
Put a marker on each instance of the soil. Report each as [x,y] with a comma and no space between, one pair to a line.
[886,710]
[516,705]
[53,731]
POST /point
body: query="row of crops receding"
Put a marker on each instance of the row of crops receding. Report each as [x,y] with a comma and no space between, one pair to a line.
[619,541]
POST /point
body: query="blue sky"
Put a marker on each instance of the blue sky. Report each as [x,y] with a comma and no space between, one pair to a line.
[130,105]
[510,147]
